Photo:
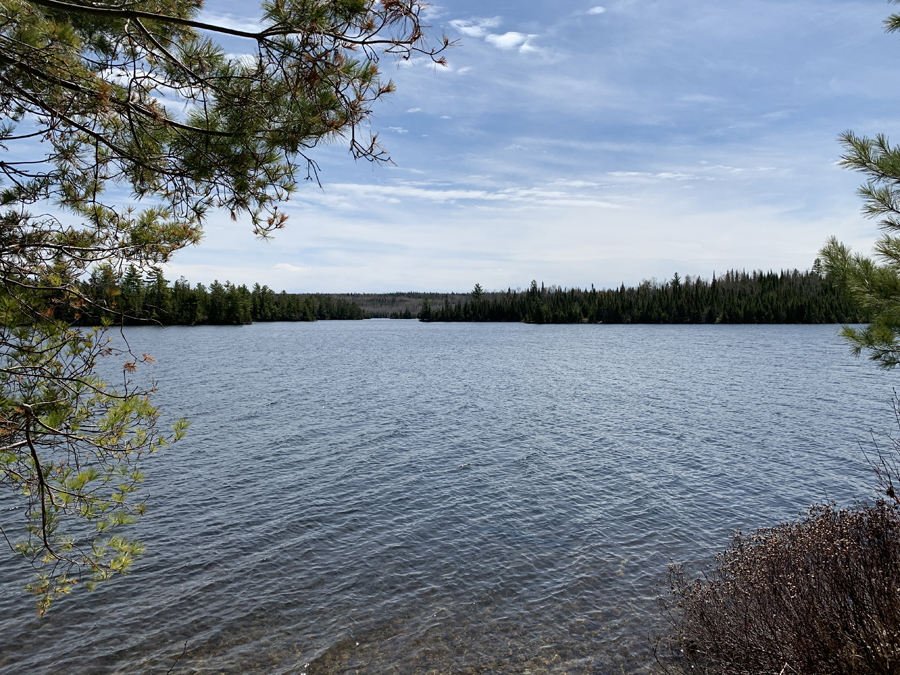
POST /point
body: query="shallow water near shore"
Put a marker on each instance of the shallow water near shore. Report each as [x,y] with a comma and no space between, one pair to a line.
[397,497]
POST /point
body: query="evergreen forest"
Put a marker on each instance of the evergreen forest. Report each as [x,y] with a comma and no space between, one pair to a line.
[137,300]
[736,297]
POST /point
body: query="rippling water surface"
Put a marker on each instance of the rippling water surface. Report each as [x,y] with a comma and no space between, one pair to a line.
[397,497]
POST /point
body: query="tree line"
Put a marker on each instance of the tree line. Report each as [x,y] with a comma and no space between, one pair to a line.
[138,300]
[735,297]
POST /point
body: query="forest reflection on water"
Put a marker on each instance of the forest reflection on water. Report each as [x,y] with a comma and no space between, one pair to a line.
[390,496]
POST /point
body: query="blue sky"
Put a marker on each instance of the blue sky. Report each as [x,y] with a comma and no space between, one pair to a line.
[579,143]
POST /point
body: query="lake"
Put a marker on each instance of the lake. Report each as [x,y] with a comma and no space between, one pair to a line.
[397,497]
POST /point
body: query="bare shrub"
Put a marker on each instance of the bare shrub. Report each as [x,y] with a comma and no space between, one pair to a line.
[887,466]
[819,596]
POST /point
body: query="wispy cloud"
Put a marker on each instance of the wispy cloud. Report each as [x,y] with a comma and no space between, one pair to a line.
[778,115]
[433,11]
[359,195]
[663,175]
[687,138]
[476,27]
[579,183]
[699,98]
[291,268]
[232,21]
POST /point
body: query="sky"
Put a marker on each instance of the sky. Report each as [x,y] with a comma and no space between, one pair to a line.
[577,143]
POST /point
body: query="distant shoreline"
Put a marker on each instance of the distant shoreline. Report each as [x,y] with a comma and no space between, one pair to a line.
[737,297]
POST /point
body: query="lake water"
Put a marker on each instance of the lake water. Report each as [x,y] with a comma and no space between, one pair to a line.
[397,497]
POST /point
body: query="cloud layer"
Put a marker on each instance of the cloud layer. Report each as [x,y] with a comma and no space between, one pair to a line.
[581,144]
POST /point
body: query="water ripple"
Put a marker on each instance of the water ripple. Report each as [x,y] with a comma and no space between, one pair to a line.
[400,497]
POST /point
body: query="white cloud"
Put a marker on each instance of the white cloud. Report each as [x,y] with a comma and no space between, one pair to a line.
[479,28]
[646,175]
[231,21]
[430,12]
[399,130]
[507,41]
[475,27]
[245,59]
[290,268]
[353,195]
[528,48]
[726,64]
[579,183]
[424,62]
[414,110]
